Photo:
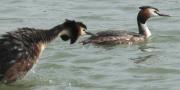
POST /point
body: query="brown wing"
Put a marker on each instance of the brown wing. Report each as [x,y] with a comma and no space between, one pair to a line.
[115,33]
[111,37]
[17,55]
[110,40]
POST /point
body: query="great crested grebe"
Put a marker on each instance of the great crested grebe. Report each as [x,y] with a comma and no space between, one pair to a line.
[125,37]
[20,49]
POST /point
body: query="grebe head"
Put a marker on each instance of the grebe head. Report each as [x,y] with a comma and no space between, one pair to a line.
[72,30]
[144,14]
[148,11]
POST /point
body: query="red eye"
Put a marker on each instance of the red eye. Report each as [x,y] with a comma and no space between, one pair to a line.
[156,12]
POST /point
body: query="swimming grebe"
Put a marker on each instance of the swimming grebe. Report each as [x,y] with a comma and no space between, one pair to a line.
[125,37]
[20,49]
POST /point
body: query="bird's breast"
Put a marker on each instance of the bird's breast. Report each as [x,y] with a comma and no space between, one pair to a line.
[38,49]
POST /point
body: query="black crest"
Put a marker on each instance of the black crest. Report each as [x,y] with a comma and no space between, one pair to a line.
[82,25]
[146,7]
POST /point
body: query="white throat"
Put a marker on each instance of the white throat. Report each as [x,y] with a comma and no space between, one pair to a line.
[147,32]
[64,32]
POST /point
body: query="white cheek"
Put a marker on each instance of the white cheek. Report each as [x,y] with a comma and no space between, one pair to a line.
[82,31]
[152,13]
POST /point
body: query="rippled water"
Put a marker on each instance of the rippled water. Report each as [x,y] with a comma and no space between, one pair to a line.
[150,66]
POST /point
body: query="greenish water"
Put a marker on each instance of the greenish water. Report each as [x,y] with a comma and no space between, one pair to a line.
[151,66]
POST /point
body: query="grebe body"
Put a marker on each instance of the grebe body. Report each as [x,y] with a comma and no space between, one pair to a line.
[115,37]
[125,37]
[21,49]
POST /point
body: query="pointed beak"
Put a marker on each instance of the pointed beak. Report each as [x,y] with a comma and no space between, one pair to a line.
[161,14]
[89,33]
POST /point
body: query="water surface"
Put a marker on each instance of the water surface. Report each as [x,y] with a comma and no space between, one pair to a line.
[150,66]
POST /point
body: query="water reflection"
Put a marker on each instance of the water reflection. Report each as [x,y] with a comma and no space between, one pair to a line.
[147,52]
[141,59]
[146,48]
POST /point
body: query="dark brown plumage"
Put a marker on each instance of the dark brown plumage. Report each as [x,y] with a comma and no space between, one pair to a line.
[20,49]
[114,37]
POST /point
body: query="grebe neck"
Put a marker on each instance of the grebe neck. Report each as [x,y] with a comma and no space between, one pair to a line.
[142,26]
[49,35]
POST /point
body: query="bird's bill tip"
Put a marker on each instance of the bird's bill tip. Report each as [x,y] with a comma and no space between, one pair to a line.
[89,33]
[162,14]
